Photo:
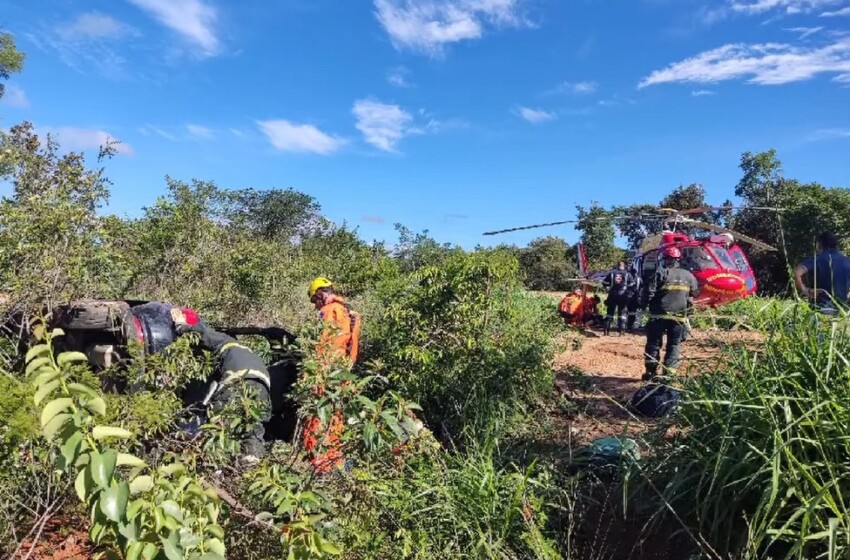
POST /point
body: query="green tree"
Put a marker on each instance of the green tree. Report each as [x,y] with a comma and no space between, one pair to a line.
[598,236]
[276,214]
[11,59]
[547,264]
[51,236]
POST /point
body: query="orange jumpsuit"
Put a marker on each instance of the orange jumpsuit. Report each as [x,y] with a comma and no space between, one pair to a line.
[347,340]
[342,338]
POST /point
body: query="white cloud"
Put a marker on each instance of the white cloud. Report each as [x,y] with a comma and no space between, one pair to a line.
[765,64]
[788,6]
[286,136]
[702,92]
[535,116]
[428,25]
[573,87]
[199,131]
[193,19]
[805,31]
[837,13]
[15,97]
[383,125]
[78,139]
[829,134]
[94,25]
[398,77]
[237,133]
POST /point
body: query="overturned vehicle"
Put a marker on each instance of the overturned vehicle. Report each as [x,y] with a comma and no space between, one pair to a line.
[108,332]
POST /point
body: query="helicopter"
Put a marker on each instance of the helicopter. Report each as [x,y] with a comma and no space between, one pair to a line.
[719,264]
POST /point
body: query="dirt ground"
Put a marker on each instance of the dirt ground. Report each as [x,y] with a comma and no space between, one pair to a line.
[600,373]
[61,539]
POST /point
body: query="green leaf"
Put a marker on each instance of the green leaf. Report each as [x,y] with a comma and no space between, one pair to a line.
[189,540]
[127,460]
[215,531]
[135,506]
[37,364]
[45,390]
[172,509]
[172,551]
[56,423]
[211,556]
[113,501]
[53,408]
[215,546]
[134,551]
[46,377]
[141,484]
[82,390]
[84,484]
[96,531]
[129,530]
[56,333]
[103,432]
[97,406]
[329,547]
[71,448]
[150,551]
[36,350]
[102,467]
[173,468]
[212,512]
[69,357]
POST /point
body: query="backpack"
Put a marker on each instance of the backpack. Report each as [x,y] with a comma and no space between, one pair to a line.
[654,401]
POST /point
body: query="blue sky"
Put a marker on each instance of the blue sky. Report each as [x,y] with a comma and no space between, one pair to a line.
[456,116]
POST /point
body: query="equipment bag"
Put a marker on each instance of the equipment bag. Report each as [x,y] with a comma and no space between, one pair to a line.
[654,401]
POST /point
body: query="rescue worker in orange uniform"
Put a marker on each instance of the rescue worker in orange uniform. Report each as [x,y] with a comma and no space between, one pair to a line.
[577,310]
[339,342]
[336,312]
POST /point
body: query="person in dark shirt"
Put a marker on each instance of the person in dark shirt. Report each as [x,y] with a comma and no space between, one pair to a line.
[670,293]
[619,284]
[830,275]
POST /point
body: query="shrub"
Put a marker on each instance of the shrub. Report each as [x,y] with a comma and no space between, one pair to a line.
[463,339]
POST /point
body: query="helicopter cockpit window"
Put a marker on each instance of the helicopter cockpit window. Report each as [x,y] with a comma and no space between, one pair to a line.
[724,258]
[697,258]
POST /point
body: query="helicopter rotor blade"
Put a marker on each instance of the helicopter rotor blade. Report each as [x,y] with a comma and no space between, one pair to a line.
[600,218]
[531,227]
[704,209]
[735,234]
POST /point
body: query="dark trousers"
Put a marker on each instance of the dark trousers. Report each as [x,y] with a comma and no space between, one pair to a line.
[655,331]
[632,308]
[615,305]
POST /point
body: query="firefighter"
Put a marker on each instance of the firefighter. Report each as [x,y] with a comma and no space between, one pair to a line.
[236,367]
[619,284]
[635,297]
[669,295]
[570,307]
[334,311]
[339,343]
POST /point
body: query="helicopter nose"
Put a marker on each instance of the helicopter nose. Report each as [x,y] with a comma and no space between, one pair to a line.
[726,283]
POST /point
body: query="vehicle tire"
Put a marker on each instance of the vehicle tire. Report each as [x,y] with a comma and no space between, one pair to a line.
[93,314]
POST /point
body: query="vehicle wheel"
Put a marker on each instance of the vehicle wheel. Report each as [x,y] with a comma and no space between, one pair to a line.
[93,314]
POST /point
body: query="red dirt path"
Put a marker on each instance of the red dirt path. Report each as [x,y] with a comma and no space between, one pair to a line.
[599,373]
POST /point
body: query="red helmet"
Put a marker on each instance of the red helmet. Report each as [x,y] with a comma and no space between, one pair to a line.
[672,253]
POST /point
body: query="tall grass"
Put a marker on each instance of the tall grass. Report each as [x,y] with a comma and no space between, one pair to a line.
[761,465]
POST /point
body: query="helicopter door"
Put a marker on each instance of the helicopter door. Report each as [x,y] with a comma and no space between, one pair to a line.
[743,266]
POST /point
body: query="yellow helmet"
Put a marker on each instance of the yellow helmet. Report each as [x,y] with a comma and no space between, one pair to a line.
[318,284]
